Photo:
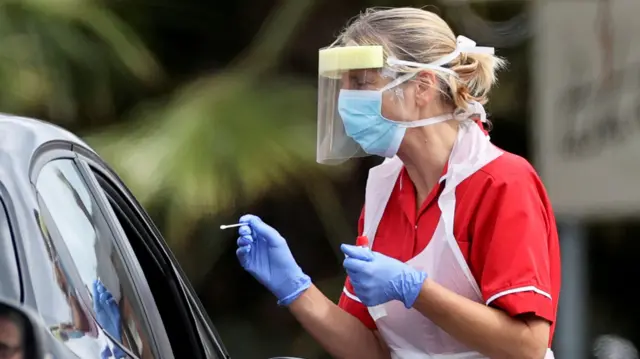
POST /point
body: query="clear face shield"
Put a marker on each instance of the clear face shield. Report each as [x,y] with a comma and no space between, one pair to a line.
[354,81]
[349,68]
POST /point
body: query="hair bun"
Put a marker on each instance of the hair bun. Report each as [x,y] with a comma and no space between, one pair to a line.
[476,76]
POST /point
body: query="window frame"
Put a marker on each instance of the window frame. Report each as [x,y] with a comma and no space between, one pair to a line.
[51,152]
[161,252]
[10,268]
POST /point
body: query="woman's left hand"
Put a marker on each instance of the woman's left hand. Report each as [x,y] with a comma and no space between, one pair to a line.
[378,279]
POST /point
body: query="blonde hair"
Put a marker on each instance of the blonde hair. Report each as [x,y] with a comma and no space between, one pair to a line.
[418,35]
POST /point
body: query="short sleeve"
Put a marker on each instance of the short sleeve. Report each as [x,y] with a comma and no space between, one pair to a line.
[511,232]
[348,300]
[350,304]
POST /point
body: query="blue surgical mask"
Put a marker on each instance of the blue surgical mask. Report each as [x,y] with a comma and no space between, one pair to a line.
[361,112]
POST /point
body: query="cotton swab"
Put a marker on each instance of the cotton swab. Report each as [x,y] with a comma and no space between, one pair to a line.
[227,226]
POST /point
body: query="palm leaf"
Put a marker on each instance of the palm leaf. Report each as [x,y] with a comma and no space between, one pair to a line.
[57,55]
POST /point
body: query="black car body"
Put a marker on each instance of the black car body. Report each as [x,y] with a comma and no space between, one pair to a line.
[68,222]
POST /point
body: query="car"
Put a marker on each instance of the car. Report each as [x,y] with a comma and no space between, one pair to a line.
[81,252]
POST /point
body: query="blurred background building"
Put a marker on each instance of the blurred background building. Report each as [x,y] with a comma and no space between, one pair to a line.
[207,110]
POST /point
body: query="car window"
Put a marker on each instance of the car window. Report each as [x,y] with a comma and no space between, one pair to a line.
[141,235]
[90,245]
[9,278]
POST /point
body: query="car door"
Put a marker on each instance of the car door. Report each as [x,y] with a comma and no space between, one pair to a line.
[191,333]
[100,302]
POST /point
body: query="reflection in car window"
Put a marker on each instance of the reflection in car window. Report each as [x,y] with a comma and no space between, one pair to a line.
[67,316]
[91,247]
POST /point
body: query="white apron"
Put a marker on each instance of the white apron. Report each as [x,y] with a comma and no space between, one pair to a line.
[408,333]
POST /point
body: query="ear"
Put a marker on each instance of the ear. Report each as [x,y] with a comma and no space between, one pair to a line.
[427,86]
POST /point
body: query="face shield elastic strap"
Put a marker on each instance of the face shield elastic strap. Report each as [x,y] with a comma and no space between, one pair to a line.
[463,45]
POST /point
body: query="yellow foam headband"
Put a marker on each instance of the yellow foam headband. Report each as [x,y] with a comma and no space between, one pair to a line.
[333,61]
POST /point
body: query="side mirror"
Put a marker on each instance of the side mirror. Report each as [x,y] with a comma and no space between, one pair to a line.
[21,333]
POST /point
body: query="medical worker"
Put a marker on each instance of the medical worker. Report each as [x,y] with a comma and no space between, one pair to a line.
[458,252]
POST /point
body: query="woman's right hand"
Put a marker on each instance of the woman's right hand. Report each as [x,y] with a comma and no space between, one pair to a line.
[265,254]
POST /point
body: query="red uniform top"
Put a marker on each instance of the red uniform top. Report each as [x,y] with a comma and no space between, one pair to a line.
[504,226]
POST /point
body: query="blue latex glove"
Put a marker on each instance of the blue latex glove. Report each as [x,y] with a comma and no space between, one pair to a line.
[108,316]
[378,279]
[117,353]
[106,353]
[264,253]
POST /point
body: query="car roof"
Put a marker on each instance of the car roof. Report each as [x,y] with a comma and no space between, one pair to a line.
[20,137]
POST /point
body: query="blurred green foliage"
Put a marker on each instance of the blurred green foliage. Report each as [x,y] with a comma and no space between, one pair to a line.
[58,57]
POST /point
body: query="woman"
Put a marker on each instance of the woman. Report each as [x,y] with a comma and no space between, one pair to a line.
[463,259]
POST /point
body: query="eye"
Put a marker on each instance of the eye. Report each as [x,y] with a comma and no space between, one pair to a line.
[360,82]
[357,82]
